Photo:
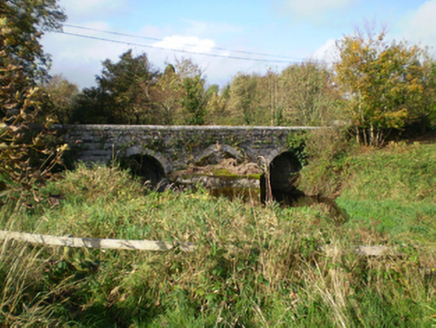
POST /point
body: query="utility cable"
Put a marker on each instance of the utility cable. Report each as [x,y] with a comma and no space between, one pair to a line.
[175,50]
[157,39]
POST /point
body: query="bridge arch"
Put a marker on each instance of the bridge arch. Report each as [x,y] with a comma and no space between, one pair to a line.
[284,170]
[216,152]
[150,166]
[166,165]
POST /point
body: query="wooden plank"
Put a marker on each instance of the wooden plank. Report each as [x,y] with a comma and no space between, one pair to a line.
[143,245]
[375,251]
[154,245]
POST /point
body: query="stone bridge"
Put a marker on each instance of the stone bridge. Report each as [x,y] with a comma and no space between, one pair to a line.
[164,149]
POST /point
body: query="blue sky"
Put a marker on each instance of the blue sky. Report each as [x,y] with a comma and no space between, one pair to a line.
[298,30]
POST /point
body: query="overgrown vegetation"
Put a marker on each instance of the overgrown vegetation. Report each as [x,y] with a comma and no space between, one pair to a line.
[255,266]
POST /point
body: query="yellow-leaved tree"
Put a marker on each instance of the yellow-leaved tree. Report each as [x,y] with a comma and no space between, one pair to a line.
[27,153]
[382,84]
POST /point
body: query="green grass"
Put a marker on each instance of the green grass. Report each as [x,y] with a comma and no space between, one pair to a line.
[393,192]
[412,221]
[255,266]
[400,172]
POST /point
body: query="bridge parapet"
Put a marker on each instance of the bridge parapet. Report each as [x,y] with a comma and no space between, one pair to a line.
[175,147]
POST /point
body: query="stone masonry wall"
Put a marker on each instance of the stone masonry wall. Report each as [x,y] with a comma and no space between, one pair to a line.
[175,147]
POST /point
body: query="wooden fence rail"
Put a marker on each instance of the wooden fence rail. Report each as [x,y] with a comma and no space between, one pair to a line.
[143,245]
[153,245]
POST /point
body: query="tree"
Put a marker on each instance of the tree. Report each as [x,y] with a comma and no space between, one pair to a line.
[62,95]
[123,94]
[275,109]
[166,95]
[216,110]
[243,97]
[306,95]
[26,156]
[128,83]
[193,98]
[93,106]
[213,89]
[186,68]
[427,113]
[22,60]
[382,84]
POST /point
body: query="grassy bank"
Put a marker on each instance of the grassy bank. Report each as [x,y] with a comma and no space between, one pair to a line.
[254,267]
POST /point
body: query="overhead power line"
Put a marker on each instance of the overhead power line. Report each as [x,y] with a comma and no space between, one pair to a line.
[176,50]
[160,40]
[110,32]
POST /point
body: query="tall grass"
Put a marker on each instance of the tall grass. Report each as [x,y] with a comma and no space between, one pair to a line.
[254,266]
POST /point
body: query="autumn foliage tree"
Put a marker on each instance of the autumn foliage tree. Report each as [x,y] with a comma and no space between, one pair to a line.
[193,98]
[382,84]
[307,95]
[62,95]
[26,154]
[166,96]
[243,97]
[301,94]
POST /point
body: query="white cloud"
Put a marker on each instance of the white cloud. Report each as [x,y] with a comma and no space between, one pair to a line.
[218,70]
[421,26]
[187,43]
[328,53]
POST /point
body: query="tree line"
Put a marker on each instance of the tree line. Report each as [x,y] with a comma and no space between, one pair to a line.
[133,91]
[376,87]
